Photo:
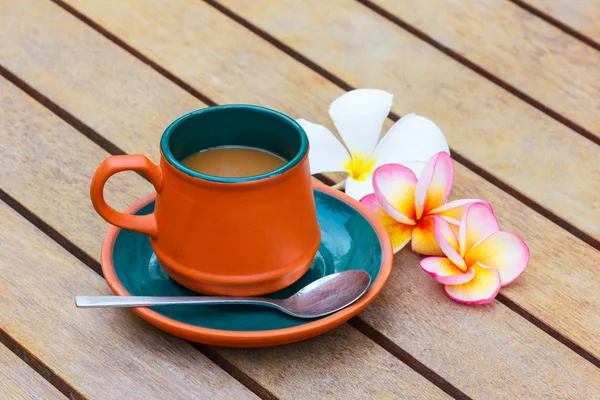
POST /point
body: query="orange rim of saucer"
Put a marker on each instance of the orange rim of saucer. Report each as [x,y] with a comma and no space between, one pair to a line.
[256,338]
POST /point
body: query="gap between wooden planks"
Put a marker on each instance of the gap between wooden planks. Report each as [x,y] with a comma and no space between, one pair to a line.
[65,161]
[19,381]
[536,58]
[104,355]
[546,286]
[432,291]
[506,137]
[578,18]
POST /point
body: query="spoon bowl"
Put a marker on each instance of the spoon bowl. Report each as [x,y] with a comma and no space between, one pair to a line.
[324,296]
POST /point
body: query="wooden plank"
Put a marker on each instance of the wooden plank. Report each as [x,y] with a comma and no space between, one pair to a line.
[546,289]
[340,364]
[561,281]
[19,382]
[535,57]
[65,165]
[477,348]
[582,16]
[102,354]
[495,130]
[546,353]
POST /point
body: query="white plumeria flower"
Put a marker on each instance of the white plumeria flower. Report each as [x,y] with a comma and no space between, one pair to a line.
[358,116]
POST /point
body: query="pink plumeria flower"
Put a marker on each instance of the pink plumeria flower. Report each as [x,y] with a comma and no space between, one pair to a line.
[480,260]
[407,205]
[358,116]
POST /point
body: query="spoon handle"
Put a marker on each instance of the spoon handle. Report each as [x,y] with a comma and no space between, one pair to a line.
[146,301]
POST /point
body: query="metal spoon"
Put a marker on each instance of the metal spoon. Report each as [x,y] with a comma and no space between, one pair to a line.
[323,296]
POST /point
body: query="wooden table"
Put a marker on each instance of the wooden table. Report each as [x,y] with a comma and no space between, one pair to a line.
[513,84]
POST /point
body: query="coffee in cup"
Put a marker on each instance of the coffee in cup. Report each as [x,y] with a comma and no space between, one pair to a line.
[233,161]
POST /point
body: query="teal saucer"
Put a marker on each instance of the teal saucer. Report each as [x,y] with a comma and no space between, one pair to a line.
[351,238]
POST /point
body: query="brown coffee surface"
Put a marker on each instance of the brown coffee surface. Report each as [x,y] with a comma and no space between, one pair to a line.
[233,161]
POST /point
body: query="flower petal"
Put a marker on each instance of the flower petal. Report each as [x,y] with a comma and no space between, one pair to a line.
[399,233]
[453,211]
[394,187]
[444,271]
[435,183]
[358,116]
[477,223]
[326,153]
[357,189]
[423,238]
[448,242]
[502,251]
[482,289]
[412,138]
[415,166]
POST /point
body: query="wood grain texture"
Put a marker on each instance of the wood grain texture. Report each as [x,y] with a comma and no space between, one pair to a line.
[546,290]
[495,130]
[581,16]
[103,354]
[545,352]
[488,351]
[154,101]
[343,363]
[527,52]
[19,382]
[353,361]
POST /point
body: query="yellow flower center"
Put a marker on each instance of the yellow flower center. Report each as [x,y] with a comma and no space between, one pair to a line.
[359,167]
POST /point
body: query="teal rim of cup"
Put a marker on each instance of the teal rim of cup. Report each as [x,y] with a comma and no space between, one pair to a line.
[166,150]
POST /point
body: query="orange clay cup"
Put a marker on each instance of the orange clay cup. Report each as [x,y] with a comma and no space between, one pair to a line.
[225,236]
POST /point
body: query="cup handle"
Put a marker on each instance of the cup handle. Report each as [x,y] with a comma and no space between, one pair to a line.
[145,224]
